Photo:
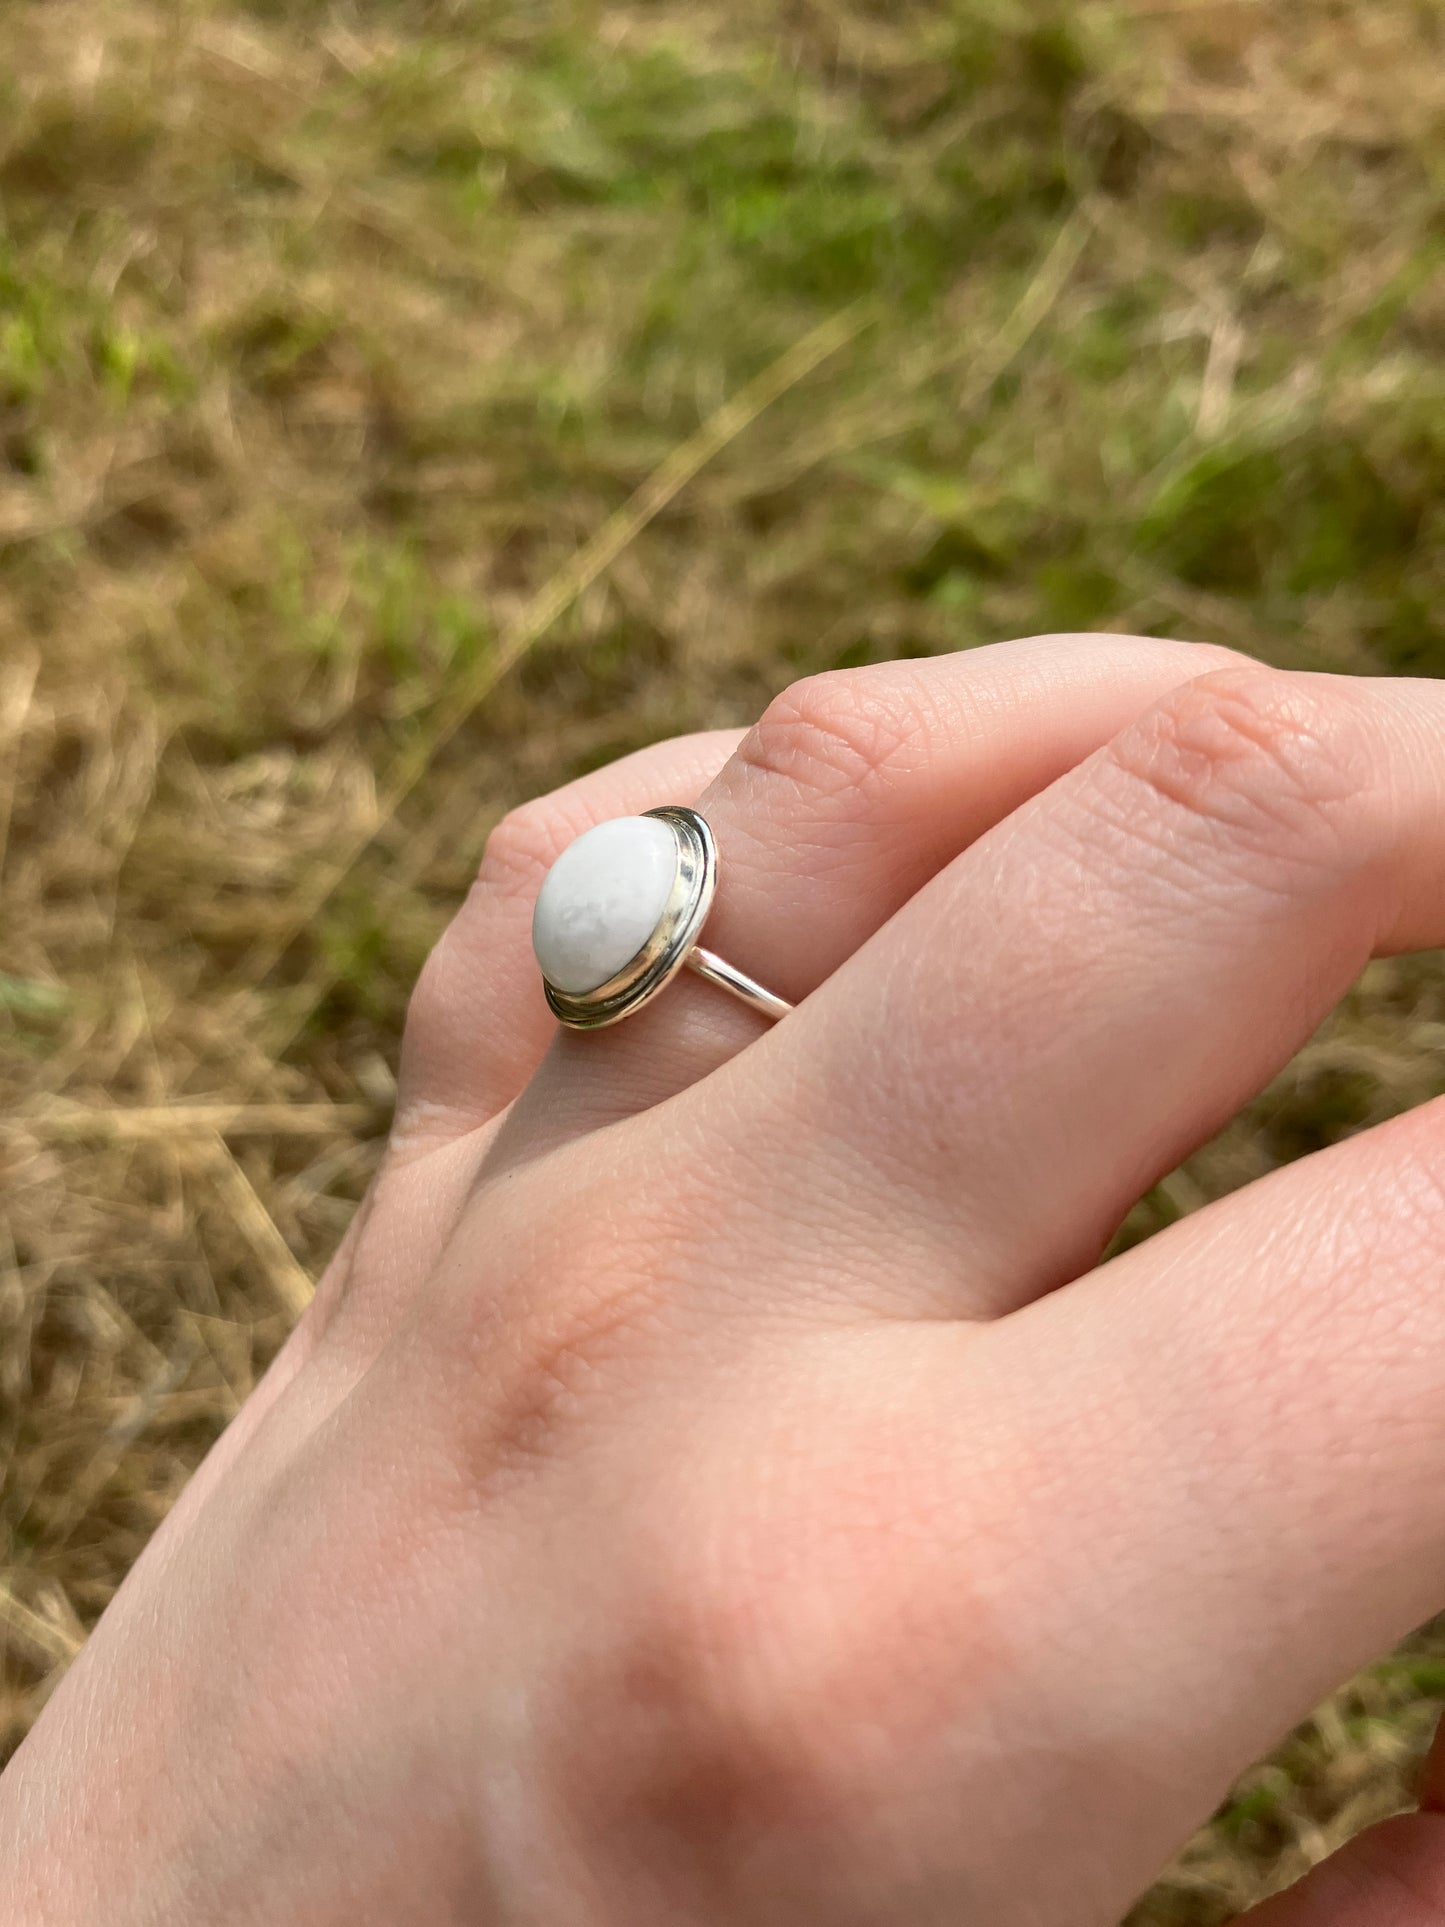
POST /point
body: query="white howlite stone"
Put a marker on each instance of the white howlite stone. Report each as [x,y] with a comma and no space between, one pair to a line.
[601,901]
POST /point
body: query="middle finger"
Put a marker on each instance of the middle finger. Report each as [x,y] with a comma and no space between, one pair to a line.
[1095,988]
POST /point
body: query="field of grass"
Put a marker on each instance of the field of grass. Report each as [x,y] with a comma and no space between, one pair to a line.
[406,404]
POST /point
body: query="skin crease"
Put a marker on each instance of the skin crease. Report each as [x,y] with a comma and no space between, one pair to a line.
[715,1482]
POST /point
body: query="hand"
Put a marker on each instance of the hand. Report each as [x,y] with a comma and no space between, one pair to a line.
[714,1484]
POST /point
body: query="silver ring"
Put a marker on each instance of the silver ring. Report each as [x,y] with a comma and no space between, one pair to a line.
[619,914]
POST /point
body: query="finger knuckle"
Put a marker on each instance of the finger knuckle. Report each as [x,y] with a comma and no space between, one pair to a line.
[573,1320]
[523,847]
[773,1677]
[834,736]
[733,1728]
[1255,759]
[546,1373]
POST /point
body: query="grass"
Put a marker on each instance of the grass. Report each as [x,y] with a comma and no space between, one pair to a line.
[403,407]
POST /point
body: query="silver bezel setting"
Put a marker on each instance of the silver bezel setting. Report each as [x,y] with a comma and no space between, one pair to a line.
[665,952]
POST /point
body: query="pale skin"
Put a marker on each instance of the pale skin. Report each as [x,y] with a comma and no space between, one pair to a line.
[717,1481]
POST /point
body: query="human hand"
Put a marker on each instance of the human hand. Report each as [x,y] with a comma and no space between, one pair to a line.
[716,1482]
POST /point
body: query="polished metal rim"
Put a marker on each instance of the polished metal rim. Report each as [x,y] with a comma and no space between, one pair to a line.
[666,950]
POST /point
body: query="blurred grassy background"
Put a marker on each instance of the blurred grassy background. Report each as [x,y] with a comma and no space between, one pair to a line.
[405,406]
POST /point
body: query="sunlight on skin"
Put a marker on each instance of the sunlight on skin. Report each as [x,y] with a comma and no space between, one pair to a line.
[335,341]
[744,1532]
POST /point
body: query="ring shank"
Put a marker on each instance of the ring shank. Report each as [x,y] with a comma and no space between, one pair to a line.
[708,964]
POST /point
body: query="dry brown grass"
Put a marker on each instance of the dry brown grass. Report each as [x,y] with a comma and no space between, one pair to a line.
[403,407]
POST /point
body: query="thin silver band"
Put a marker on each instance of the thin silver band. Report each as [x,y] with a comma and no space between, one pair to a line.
[708,964]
